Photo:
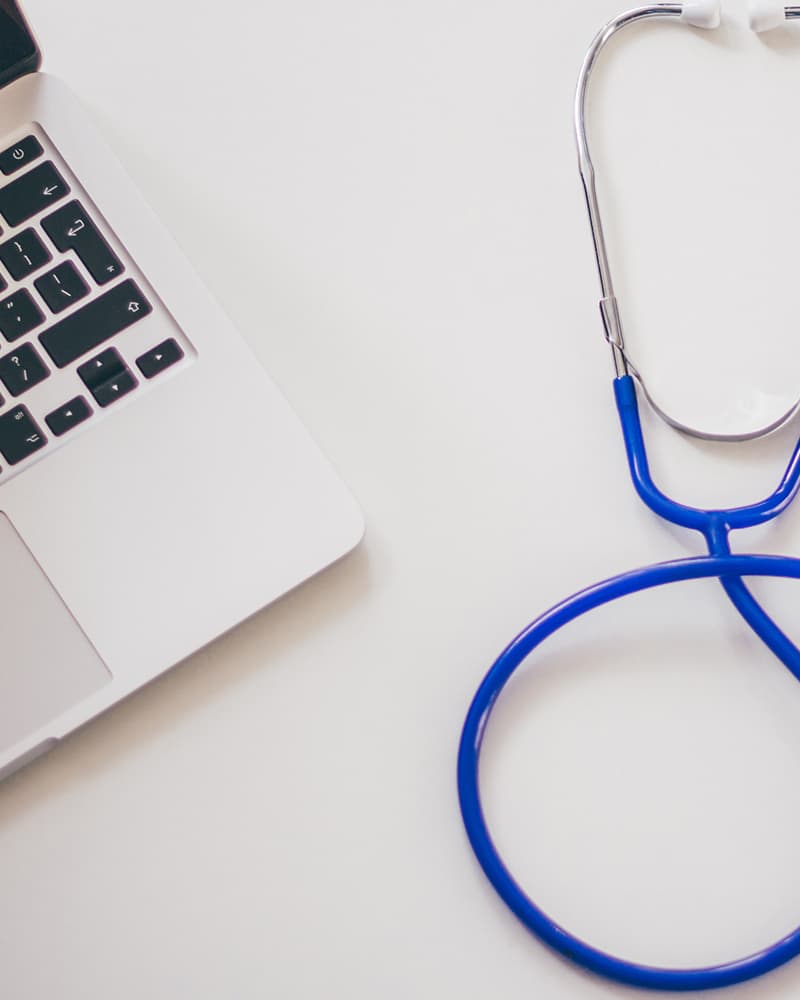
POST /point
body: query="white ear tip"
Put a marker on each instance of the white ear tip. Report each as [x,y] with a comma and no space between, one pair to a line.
[701,13]
[766,14]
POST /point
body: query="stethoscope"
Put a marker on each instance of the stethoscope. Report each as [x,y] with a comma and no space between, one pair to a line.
[715,527]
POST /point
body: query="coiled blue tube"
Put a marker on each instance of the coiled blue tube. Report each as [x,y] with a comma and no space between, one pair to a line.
[714,525]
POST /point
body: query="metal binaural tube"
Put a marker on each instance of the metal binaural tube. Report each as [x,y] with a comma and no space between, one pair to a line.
[608,304]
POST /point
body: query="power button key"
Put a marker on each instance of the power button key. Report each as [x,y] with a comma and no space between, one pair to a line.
[20,155]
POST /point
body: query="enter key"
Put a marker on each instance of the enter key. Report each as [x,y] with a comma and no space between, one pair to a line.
[71,228]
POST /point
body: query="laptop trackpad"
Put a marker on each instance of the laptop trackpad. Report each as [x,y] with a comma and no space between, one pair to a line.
[47,664]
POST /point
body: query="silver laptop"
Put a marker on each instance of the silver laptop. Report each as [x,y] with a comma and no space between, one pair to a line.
[155,487]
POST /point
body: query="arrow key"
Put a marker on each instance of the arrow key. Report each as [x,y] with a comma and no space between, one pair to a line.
[101,368]
[68,416]
[156,360]
[107,377]
[114,388]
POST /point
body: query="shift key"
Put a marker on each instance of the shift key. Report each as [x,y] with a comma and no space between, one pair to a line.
[95,323]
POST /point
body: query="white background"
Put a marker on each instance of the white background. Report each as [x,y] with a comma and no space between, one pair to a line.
[384,197]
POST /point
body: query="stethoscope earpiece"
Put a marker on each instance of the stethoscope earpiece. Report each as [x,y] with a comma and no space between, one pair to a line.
[764,15]
[702,13]
[767,14]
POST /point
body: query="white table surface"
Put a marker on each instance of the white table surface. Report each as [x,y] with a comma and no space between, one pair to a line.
[384,197]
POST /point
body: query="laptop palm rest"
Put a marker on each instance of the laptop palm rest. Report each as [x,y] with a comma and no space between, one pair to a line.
[47,664]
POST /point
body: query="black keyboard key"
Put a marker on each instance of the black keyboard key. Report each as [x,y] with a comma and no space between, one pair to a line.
[22,370]
[32,193]
[107,377]
[20,155]
[19,435]
[19,314]
[71,228]
[115,388]
[156,360]
[92,325]
[68,416]
[100,369]
[61,287]
[24,254]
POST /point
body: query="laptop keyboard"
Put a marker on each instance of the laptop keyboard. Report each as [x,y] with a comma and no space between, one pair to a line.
[73,306]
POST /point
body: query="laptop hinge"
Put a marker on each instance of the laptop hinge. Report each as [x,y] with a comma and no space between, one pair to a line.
[19,53]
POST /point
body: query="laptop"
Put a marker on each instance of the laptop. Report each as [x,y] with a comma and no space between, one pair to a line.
[155,487]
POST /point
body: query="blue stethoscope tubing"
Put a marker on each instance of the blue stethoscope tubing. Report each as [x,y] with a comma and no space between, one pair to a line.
[729,569]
